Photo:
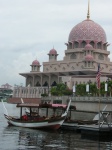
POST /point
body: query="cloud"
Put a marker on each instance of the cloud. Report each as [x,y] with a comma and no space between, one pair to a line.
[30,28]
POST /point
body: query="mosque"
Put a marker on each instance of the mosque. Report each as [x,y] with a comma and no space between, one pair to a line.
[86,48]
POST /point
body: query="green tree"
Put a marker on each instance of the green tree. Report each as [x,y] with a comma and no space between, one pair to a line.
[61,89]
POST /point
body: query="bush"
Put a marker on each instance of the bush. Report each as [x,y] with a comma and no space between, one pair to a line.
[44,95]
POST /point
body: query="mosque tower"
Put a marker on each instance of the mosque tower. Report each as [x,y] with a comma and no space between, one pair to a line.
[53,55]
[35,66]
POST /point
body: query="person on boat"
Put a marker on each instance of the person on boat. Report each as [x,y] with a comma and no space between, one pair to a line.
[25,117]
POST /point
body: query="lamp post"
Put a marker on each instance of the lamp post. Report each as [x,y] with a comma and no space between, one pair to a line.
[88,87]
[74,90]
[107,87]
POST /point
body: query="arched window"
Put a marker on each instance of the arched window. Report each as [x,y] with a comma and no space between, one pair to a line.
[70,46]
[76,45]
[83,44]
[99,45]
[101,57]
[35,68]
[85,53]
[37,84]
[73,56]
[104,47]
[54,83]
[45,83]
[92,43]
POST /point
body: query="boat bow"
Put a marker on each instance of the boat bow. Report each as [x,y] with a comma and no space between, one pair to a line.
[66,112]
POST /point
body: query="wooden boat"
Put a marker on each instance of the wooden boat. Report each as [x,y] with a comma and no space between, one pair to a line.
[36,121]
[70,124]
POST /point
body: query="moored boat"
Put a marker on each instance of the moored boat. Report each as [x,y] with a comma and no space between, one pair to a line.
[35,120]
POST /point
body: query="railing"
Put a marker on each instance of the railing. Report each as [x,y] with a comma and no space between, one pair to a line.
[92,98]
[35,92]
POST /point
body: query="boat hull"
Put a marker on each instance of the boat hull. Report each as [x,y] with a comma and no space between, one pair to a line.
[52,124]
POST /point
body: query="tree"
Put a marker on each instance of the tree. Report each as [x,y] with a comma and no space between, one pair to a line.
[61,89]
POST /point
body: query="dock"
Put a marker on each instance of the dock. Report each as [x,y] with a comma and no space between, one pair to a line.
[99,130]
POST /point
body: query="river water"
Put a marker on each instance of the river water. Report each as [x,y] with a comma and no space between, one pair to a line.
[15,138]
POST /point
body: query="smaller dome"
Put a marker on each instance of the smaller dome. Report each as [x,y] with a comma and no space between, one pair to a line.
[89,58]
[35,62]
[88,46]
[53,51]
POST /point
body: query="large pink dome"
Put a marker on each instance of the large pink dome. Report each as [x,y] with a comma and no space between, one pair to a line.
[87,30]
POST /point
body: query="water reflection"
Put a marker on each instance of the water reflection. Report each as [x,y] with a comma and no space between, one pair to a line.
[15,138]
[23,139]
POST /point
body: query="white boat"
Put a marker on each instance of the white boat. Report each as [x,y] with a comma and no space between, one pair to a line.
[36,121]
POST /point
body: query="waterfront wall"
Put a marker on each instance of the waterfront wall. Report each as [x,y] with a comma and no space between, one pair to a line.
[86,107]
[92,104]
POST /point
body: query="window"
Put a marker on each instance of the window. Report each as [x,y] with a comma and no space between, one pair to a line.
[83,44]
[85,53]
[76,45]
[70,46]
[99,45]
[73,56]
[92,43]
[101,57]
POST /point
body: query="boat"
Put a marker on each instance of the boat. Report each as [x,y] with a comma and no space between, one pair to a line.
[70,124]
[35,120]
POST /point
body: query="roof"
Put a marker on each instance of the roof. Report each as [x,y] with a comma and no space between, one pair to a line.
[45,105]
[16,100]
[28,105]
[42,105]
[87,30]
[53,52]
[36,62]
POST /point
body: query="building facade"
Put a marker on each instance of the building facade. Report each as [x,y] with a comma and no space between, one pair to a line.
[87,47]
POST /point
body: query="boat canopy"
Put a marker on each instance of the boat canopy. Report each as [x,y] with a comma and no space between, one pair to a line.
[45,105]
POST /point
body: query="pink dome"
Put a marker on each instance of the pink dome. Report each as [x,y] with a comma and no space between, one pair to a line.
[87,30]
[88,46]
[89,58]
[53,51]
[35,62]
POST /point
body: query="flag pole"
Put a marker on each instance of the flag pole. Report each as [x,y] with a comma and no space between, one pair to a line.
[98,87]
[99,108]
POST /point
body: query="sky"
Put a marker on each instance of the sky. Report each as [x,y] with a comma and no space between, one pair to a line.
[29,29]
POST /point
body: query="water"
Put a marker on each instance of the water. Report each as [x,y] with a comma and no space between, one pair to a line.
[15,138]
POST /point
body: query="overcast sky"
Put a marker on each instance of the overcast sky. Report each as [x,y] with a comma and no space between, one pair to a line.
[30,28]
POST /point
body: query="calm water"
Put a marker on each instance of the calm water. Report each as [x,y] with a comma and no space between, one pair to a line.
[15,138]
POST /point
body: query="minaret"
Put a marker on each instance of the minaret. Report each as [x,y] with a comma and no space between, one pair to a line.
[88,13]
[35,66]
[53,55]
